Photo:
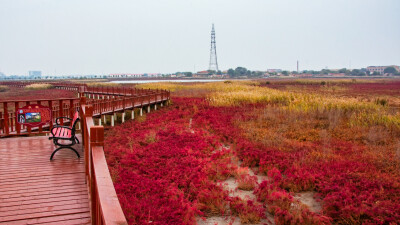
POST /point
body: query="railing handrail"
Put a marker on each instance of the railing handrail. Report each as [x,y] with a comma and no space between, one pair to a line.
[105,206]
[39,100]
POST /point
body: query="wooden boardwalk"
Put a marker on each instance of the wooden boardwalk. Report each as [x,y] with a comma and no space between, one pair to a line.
[35,190]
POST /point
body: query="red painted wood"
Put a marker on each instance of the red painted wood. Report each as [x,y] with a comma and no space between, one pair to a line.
[5,108]
[35,190]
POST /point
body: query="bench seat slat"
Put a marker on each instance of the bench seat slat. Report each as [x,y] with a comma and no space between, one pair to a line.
[58,131]
[62,132]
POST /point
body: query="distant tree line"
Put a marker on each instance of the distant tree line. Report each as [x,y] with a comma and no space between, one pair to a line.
[243,72]
[186,74]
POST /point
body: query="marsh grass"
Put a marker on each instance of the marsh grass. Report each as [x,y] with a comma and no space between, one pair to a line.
[103,84]
[236,93]
[4,88]
[38,86]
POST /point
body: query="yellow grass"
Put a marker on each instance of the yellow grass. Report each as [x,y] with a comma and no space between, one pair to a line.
[379,118]
[4,88]
[336,81]
[38,86]
[86,81]
[170,86]
[103,84]
[235,93]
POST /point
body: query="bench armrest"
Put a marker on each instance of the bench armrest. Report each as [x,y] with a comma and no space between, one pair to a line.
[63,118]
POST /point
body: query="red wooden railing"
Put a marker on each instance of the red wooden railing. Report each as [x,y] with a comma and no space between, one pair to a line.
[105,207]
[105,100]
[59,107]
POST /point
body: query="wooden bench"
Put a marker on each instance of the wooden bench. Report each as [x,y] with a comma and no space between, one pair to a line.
[65,133]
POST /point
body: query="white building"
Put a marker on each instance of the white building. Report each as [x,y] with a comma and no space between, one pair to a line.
[380,69]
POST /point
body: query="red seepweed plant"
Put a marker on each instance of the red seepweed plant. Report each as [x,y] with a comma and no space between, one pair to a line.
[172,178]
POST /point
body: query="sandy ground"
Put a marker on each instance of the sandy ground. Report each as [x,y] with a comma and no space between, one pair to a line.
[230,184]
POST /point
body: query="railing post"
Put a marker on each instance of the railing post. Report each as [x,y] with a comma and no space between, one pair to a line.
[1,123]
[96,139]
[97,136]
[88,113]
[17,125]
[6,118]
[123,103]
[40,127]
[61,113]
[28,127]
[71,109]
[50,103]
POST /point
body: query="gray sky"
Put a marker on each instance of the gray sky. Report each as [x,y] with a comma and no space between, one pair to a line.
[138,36]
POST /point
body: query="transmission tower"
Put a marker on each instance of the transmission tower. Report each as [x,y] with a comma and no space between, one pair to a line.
[213,52]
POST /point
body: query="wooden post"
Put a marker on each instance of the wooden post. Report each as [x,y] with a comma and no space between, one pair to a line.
[88,113]
[71,109]
[133,113]
[17,125]
[123,117]
[28,128]
[6,117]
[40,127]
[96,139]
[50,103]
[1,122]
[97,136]
[123,102]
[141,111]
[60,113]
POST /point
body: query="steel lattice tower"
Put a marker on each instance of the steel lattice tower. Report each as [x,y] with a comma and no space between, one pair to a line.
[213,52]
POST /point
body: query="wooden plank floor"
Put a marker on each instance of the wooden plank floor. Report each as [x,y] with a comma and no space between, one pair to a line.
[35,190]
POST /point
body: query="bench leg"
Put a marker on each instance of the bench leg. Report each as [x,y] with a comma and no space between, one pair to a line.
[77,140]
[52,154]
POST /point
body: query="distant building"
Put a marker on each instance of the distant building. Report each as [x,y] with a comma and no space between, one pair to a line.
[200,74]
[35,74]
[154,75]
[308,75]
[274,71]
[380,69]
[125,75]
[133,75]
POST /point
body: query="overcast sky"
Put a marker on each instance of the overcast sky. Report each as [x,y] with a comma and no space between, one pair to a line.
[151,36]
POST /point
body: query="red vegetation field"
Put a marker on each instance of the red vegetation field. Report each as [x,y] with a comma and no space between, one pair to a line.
[168,167]
[365,89]
[24,94]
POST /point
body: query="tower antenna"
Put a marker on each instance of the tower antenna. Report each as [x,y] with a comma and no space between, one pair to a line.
[213,52]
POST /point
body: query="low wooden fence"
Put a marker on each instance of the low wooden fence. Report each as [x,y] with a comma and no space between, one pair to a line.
[105,101]
[105,207]
[59,107]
